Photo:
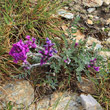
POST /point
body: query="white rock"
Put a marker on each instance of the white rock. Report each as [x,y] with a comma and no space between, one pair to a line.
[89,102]
[107,2]
[109,33]
[90,10]
[93,3]
[65,14]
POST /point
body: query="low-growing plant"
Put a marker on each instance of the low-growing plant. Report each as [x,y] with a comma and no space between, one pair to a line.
[73,58]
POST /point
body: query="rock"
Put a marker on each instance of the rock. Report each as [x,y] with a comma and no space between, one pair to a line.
[109,33]
[98,46]
[90,10]
[86,86]
[105,54]
[19,92]
[89,22]
[65,101]
[43,104]
[91,40]
[106,2]
[90,103]
[93,3]
[108,40]
[60,101]
[65,14]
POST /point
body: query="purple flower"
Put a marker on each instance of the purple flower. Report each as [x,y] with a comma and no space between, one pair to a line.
[92,64]
[96,68]
[18,51]
[76,44]
[30,43]
[47,52]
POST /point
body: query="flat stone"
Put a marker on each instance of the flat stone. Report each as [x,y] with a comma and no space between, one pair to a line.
[19,92]
[65,14]
[89,102]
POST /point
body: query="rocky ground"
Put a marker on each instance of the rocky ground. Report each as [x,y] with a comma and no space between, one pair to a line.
[94,25]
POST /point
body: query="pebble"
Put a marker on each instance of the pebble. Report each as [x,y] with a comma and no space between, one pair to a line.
[90,10]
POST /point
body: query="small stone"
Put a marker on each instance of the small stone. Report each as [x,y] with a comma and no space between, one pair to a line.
[109,33]
[65,14]
[93,3]
[89,103]
[89,22]
[90,10]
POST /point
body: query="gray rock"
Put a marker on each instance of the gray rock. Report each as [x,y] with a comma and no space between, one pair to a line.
[60,101]
[65,14]
[90,10]
[89,102]
[19,93]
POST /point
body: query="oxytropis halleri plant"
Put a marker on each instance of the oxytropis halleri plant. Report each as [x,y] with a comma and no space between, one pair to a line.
[22,50]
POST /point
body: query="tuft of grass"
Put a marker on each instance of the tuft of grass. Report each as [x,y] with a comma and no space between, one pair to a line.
[19,18]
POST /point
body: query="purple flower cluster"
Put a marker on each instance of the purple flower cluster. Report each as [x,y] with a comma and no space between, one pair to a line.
[20,49]
[92,64]
[47,52]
